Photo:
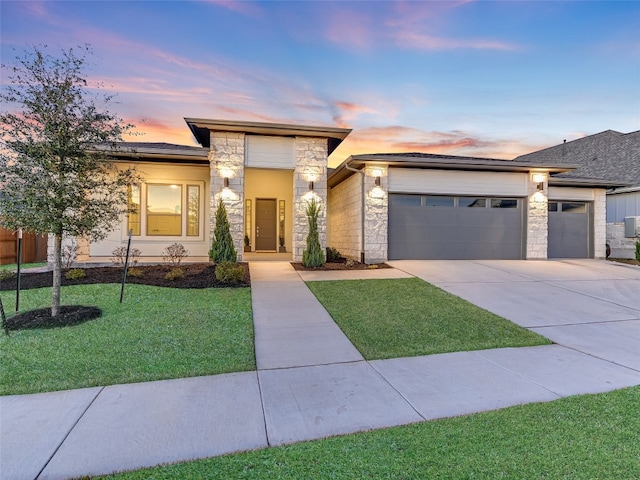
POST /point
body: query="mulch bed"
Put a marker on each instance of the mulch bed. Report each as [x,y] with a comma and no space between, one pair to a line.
[41,318]
[628,261]
[341,265]
[196,275]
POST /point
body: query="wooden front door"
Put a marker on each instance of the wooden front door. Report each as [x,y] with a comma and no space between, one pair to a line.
[266,227]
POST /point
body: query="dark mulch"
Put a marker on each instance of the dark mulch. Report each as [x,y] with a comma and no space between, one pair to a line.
[340,265]
[628,261]
[196,275]
[69,315]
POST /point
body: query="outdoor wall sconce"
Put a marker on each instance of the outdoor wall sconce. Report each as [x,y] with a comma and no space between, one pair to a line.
[377,180]
[226,182]
[377,173]
[311,185]
[539,179]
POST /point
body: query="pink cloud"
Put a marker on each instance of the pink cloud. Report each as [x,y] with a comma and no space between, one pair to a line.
[244,7]
[422,41]
[351,29]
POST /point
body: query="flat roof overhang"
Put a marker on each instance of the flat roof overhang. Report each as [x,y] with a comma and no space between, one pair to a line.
[446,162]
[584,182]
[161,154]
[201,128]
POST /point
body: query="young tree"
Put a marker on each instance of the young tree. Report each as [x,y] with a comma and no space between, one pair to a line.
[312,256]
[222,249]
[55,137]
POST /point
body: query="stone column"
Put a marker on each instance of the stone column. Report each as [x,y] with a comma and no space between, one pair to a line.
[376,214]
[600,223]
[226,160]
[311,165]
[537,220]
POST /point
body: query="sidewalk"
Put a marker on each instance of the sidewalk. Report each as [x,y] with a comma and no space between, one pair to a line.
[304,389]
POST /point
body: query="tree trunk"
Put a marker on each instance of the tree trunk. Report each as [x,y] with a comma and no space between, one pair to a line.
[57,275]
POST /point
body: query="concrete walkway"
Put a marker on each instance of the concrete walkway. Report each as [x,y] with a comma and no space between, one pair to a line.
[306,389]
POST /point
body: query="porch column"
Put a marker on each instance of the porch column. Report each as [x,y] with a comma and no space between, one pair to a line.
[311,166]
[538,217]
[226,160]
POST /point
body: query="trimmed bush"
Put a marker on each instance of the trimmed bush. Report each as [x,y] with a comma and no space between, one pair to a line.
[229,272]
[174,253]
[313,256]
[75,274]
[333,255]
[638,250]
[174,274]
[222,249]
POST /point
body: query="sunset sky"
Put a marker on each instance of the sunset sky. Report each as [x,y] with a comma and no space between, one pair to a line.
[493,79]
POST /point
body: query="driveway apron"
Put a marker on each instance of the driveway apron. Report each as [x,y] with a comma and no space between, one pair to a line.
[591,306]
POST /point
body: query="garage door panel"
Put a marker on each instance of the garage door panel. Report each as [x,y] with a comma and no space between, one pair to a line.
[454,232]
[570,230]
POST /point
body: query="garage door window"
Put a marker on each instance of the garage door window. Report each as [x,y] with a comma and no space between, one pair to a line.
[574,207]
[439,201]
[472,202]
[504,203]
[406,200]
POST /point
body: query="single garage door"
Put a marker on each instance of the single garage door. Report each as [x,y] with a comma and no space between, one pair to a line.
[429,227]
[570,230]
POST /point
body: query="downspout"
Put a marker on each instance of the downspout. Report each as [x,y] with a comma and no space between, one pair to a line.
[348,167]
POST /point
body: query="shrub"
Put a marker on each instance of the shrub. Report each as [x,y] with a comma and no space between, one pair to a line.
[6,274]
[69,253]
[230,273]
[333,255]
[75,274]
[120,255]
[174,274]
[638,250]
[174,254]
[134,272]
[312,256]
[222,249]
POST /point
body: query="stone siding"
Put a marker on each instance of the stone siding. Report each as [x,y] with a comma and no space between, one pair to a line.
[345,217]
[600,223]
[621,246]
[537,222]
[226,159]
[311,165]
[376,215]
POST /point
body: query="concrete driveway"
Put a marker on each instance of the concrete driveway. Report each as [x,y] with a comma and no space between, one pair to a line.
[592,306]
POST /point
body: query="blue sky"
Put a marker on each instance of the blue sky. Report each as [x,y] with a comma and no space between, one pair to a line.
[493,79]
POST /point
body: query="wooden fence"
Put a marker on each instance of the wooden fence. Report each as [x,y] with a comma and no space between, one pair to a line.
[34,247]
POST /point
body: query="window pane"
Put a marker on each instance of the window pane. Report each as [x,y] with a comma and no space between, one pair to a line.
[553,206]
[472,202]
[504,203]
[405,200]
[193,220]
[134,207]
[574,207]
[164,210]
[439,201]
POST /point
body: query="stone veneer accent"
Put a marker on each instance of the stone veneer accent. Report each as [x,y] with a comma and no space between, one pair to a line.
[600,223]
[621,246]
[537,221]
[345,217]
[227,158]
[376,214]
[311,165]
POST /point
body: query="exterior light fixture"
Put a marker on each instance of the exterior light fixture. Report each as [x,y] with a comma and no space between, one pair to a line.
[539,179]
[311,185]
[226,182]
[377,180]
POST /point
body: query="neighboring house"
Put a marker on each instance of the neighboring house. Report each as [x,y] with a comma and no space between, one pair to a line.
[608,156]
[376,207]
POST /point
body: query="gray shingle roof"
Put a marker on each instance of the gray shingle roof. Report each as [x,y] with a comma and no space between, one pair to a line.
[608,155]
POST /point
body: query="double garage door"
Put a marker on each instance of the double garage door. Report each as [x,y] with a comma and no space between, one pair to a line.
[429,227]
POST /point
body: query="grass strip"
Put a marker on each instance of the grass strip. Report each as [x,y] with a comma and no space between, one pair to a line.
[582,437]
[157,333]
[410,317]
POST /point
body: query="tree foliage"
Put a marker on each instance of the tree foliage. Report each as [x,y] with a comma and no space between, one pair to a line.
[312,256]
[56,134]
[222,249]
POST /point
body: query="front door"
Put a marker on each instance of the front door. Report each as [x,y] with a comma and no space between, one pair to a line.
[266,227]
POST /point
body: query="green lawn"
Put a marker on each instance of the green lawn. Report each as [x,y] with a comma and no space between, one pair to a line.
[157,333]
[583,437]
[409,317]
[14,266]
